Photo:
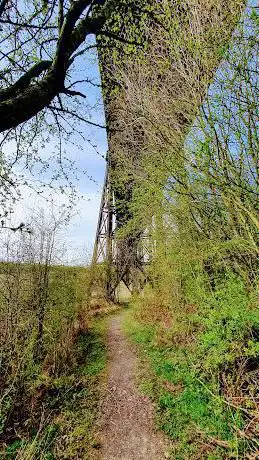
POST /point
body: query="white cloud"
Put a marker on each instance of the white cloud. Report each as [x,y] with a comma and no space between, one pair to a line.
[87,164]
[78,235]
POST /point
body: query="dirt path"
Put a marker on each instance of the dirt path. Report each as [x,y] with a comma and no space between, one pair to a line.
[127,422]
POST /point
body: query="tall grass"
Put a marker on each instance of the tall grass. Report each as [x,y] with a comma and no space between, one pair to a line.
[24,374]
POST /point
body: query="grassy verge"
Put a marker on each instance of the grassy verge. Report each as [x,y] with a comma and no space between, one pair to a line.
[200,370]
[63,410]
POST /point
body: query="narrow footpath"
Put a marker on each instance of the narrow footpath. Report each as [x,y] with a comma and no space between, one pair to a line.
[127,427]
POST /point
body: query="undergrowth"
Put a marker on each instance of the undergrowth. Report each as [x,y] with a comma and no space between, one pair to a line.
[59,422]
[202,368]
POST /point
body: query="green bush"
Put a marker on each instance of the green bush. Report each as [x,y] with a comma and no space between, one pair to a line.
[197,375]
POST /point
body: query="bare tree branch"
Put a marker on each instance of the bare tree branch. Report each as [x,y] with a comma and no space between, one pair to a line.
[75,115]
[19,106]
[3,5]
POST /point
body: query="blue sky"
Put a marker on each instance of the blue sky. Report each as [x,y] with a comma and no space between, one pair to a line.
[79,235]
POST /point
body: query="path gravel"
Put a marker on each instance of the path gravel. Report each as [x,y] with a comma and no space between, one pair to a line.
[127,421]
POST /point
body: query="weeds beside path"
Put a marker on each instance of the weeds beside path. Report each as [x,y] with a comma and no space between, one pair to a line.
[202,418]
[65,408]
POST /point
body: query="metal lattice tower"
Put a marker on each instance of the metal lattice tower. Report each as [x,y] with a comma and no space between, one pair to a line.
[124,257]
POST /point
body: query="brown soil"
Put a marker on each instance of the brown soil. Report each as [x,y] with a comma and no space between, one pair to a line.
[127,422]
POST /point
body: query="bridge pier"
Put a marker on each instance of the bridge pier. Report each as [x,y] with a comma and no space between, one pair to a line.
[124,257]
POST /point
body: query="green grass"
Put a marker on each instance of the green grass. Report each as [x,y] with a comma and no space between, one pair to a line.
[70,404]
[81,408]
[179,415]
[184,377]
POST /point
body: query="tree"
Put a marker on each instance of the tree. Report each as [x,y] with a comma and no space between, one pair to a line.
[50,90]
[40,43]
[45,62]
[204,179]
